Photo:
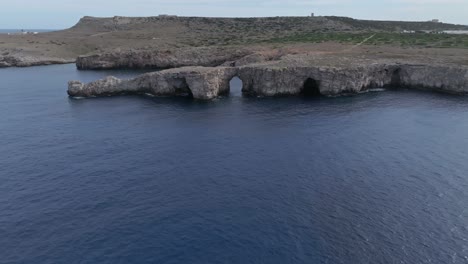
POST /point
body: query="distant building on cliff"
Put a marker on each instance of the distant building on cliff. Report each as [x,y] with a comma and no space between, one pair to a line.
[435,20]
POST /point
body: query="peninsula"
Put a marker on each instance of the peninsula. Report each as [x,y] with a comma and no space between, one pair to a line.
[195,56]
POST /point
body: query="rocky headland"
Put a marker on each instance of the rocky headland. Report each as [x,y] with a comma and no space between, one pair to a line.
[171,41]
[196,56]
[290,76]
[161,59]
[28,61]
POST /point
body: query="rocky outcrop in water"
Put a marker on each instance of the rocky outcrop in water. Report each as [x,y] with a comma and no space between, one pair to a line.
[27,61]
[157,59]
[199,82]
[275,80]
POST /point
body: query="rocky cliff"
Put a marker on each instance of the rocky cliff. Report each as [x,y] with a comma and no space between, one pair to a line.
[274,80]
[199,82]
[27,61]
[161,59]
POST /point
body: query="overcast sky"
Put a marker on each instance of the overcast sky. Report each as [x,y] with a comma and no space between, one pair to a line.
[56,14]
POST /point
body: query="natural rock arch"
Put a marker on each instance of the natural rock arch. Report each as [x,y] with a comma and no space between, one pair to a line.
[181,87]
[311,88]
[209,82]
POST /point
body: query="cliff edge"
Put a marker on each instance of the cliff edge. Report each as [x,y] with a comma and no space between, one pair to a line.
[282,78]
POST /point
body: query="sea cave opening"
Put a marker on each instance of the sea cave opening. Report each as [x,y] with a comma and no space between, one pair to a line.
[181,88]
[396,78]
[311,88]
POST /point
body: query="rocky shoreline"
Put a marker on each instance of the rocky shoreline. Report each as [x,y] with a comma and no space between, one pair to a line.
[28,61]
[169,42]
[273,56]
[276,79]
[161,59]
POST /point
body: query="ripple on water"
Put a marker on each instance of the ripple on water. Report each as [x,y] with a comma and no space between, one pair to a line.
[375,178]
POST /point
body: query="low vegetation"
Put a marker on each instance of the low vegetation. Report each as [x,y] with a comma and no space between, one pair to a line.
[199,31]
[402,39]
[98,35]
[395,26]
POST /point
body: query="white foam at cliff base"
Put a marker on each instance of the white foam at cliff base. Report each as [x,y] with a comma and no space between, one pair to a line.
[377,90]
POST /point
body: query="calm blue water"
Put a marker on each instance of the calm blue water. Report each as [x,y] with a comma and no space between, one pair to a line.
[375,178]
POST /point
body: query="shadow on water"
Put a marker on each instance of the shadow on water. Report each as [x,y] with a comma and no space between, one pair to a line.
[236,100]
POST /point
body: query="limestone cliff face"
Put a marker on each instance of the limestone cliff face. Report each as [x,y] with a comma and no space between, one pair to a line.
[27,61]
[200,82]
[273,80]
[140,59]
[447,79]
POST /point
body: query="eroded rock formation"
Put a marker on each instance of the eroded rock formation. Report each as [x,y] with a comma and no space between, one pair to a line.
[275,80]
[27,61]
[199,82]
[161,59]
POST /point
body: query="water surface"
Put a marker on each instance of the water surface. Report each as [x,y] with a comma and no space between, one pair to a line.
[374,178]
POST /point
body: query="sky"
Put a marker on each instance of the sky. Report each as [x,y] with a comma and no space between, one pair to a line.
[59,14]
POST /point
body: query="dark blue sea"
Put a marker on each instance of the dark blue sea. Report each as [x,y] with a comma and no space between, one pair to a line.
[375,178]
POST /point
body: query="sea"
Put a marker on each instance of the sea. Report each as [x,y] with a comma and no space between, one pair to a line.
[380,177]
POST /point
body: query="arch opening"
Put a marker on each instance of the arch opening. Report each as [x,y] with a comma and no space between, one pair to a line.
[236,87]
[181,88]
[311,88]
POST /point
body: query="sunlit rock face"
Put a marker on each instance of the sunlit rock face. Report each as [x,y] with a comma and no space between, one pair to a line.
[157,59]
[271,80]
[199,82]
